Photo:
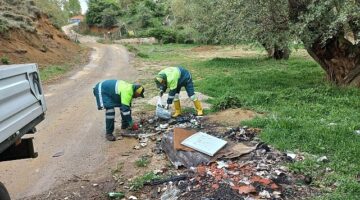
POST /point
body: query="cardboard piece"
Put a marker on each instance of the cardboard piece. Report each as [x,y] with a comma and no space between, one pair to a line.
[204,143]
[180,135]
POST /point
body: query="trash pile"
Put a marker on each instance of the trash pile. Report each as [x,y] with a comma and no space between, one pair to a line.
[241,166]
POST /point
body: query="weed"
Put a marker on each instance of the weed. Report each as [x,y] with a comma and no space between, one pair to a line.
[52,72]
[142,162]
[142,55]
[139,182]
[5,60]
[226,101]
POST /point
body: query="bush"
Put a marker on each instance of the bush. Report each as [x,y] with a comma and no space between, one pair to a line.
[164,35]
[3,26]
[227,101]
[5,60]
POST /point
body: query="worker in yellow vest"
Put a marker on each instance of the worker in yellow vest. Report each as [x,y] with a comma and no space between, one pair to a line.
[117,93]
[175,78]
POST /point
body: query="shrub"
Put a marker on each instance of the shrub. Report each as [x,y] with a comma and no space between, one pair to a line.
[164,35]
[3,26]
[227,101]
[5,60]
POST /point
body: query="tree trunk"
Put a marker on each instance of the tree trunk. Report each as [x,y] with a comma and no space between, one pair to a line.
[339,58]
[277,52]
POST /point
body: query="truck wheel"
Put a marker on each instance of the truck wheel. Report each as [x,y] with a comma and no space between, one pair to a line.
[4,195]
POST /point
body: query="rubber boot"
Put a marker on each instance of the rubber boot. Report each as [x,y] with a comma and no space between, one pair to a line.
[177,107]
[198,108]
[110,137]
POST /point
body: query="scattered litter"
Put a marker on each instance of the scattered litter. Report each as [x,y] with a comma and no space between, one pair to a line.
[143,144]
[164,126]
[181,158]
[323,159]
[264,194]
[204,143]
[292,156]
[222,164]
[137,147]
[170,179]
[357,132]
[170,194]
[132,198]
[95,184]
[59,153]
[116,195]
[161,112]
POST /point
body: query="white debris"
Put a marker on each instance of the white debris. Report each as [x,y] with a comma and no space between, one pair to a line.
[132,198]
[277,195]
[264,194]
[222,164]
[291,155]
[164,126]
[322,159]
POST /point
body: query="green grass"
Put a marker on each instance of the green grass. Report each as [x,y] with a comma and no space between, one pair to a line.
[142,162]
[300,108]
[139,182]
[51,72]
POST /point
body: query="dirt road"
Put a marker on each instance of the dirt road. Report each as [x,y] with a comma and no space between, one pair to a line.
[73,126]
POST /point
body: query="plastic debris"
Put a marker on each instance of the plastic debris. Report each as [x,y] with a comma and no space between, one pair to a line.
[292,156]
[170,194]
[164,126]
[264,194]
[116,195]
[222,164]
[161,112]
[322,159]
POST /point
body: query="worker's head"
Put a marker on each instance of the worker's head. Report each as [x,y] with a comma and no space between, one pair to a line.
[138,91]
[160,79]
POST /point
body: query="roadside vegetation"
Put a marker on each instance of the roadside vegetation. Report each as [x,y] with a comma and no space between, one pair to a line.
[303,111]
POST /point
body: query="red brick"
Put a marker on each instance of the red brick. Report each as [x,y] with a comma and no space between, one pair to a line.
[215,186]
[201,170]
[247,189]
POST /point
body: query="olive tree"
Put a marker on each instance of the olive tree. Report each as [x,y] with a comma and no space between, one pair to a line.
[264,22]
[329,30]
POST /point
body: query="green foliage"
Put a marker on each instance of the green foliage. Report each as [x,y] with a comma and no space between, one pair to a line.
[164,35]
[5,60]
[139,182]
[324,20]
[74,7]
[52,8]
[227,101]
[142,162]
[52,72]
[142,55]
[3,25]
[232,22]
[103,13]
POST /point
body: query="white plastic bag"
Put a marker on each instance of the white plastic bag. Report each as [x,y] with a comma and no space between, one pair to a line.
[161,112]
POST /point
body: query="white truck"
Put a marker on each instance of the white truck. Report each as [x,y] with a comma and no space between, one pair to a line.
[22,107]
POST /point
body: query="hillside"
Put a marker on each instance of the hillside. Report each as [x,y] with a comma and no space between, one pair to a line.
[27,35]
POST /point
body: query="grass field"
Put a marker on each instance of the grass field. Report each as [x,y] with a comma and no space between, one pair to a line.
[303,111]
